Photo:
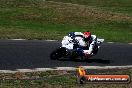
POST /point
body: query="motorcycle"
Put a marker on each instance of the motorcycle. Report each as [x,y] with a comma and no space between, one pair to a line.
[70,49]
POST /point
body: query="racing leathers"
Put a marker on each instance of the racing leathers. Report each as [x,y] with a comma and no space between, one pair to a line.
[91,44]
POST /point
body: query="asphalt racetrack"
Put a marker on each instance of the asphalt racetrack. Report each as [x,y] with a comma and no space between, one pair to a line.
[30,54]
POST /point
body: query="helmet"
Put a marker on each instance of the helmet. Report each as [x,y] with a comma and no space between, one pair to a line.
[87,35]
[71,34]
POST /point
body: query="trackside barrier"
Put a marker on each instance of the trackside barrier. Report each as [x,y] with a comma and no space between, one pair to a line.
[83,78]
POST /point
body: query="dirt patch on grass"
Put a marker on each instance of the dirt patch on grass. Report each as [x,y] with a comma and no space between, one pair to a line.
[82,14]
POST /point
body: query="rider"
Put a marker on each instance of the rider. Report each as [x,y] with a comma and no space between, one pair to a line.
[87,42]
[91,41]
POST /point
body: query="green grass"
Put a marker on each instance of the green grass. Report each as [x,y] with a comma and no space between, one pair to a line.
[118,6]
[39,19]
[58,79]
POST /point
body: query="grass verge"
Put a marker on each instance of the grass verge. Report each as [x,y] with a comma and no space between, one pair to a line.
[57,79]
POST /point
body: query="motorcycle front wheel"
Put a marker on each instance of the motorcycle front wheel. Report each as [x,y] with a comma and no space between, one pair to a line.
[58,53]
[54,56]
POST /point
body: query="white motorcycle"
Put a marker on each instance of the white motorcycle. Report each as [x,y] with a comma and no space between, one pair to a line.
[73,48]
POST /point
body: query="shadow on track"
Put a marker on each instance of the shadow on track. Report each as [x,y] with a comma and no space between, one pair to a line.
[98,60]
